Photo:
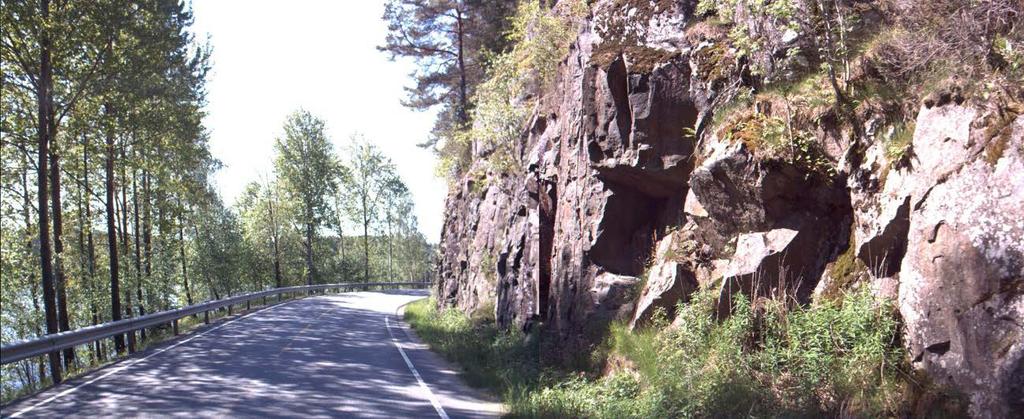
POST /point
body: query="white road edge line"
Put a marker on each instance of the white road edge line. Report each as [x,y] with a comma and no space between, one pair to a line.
[128,363]
[430,394]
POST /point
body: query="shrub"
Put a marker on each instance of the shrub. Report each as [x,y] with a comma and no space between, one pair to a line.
[951,36]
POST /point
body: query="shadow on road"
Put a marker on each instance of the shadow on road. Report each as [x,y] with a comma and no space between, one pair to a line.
[326,356]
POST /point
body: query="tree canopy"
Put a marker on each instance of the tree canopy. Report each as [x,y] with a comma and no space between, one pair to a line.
[107,205]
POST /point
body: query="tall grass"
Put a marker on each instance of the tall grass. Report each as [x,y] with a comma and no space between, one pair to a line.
[837,358]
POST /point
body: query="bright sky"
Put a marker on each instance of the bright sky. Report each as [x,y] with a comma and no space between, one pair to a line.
[273,57]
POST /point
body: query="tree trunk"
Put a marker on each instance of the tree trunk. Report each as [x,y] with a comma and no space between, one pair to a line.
[147,224]
[366,241]
[138,254]
[63,319]
[39,332]
[309,253]
[98,354]
[83,224]
[44,96]
[463,101]
[274,238]
[184,262]
[115,289]
[125,248]
[26,212]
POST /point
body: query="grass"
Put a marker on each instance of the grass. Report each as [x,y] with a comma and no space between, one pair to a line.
[503,362]
[898,144]
[836,358]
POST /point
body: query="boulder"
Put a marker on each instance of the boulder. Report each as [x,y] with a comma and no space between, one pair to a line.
[779,262]
[667,284]
[613,296]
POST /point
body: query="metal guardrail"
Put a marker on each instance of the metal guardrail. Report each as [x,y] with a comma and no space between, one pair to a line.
[20,350]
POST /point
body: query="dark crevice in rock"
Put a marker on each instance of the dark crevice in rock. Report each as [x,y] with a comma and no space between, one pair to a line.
[624,239]
[939,348]
[618,86]
[548,208]
[884,253]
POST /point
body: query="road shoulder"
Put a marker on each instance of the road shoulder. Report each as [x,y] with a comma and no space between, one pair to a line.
[458,398]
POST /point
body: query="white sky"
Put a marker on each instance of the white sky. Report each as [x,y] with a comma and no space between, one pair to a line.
[273,57]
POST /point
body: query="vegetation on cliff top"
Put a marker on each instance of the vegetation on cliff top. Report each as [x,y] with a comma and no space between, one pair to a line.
[503,101]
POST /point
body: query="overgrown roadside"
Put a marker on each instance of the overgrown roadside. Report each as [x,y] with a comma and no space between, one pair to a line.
[767,359]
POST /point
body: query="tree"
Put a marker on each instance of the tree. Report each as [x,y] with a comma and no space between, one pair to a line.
[397,208]
[31,43]
[449,40]
[308,168]
[99,91]
[370,175]
[262,215]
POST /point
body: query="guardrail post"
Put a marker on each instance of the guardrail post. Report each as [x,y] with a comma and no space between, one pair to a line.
[246,305]
[264,300]
[206,317]
[229,309]
[174,326]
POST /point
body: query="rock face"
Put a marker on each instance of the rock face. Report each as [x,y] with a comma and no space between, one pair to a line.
[626,202]
[961,288]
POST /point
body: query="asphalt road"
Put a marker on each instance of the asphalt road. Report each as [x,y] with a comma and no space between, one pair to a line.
[324,356]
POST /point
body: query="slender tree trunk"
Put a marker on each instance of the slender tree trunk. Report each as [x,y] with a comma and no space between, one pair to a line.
[128,314]
[366,240]
[99,355]
[44,96]
[309,253]
[39,332]
[63,319]
[84,222]
[274,239]
[463,101]
[184,261]
[81,235]
[147,223]
[138,254]
[391,249]
[26,212]
[115,289]
[26,370]
[125,247]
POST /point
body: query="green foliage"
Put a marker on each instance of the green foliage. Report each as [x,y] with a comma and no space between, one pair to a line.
[898,143]
[503,361]
[773,360]
[448,40]
[1011,52]
[775,138]
[515,79]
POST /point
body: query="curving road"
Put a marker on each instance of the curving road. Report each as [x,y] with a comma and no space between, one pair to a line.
[341,355]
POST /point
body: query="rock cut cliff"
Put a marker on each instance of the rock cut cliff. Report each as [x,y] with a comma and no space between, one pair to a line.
[640,183]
